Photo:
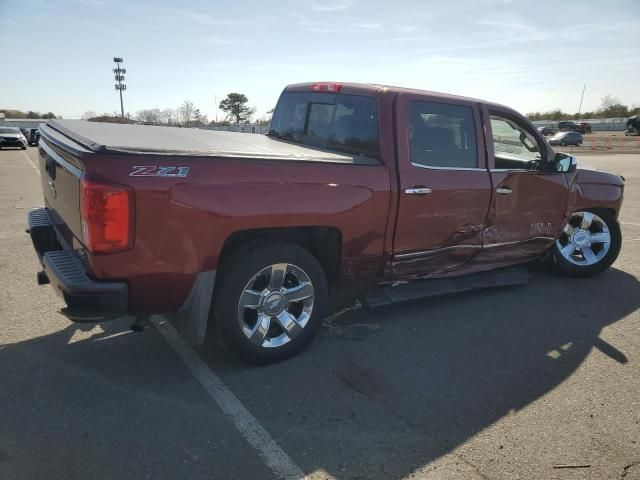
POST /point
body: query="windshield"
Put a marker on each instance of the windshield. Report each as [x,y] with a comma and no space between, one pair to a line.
[346,123]
[9,130]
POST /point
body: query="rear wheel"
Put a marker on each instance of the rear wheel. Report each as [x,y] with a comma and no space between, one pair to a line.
[271,301]
[589,244]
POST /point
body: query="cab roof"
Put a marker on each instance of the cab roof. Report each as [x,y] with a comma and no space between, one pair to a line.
[375,89]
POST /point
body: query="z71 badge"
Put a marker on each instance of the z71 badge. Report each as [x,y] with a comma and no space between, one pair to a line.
[155,171]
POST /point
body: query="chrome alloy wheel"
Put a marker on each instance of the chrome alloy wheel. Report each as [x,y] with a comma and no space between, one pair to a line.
[585,240]
[276,305]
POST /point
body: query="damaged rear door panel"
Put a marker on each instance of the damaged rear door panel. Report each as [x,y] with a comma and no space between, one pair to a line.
[445,189]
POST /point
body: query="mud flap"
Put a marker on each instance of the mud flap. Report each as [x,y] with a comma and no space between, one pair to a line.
[193,316]
[420,289]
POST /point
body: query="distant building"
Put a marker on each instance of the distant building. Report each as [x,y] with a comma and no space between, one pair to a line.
[241,127]
[23,122]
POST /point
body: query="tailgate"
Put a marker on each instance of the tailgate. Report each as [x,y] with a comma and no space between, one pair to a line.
[60,170]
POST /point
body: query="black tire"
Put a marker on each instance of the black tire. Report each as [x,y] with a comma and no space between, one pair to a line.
[23,148]
[579,144]
[237,271]
[573,270]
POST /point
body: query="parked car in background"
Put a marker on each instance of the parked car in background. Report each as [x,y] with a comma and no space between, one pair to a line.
[566,138]
[12,137]
[33,136]
[583,127]
[567,126]
[633,126]
[547,131]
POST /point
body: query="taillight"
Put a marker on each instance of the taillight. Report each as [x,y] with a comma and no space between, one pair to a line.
[326,87]
[106,211]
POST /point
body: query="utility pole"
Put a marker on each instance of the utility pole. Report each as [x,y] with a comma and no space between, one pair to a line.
[119,76]
[581,98]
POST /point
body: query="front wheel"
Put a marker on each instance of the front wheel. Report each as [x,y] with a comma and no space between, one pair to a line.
[271,301]
[588,245]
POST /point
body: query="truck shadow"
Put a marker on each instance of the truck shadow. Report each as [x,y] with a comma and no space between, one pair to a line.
[379,394]
[386,391]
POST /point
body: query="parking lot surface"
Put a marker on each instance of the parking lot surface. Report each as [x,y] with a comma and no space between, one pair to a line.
[533,382]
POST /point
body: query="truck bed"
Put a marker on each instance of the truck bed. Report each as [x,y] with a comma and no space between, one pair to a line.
[144,139]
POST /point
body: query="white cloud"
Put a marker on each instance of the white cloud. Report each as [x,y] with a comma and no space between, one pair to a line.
[330,6]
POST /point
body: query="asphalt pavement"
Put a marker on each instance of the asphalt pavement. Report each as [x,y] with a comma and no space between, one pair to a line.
[533,382]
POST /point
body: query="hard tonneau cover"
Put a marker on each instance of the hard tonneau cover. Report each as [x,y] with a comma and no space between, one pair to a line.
[144,139]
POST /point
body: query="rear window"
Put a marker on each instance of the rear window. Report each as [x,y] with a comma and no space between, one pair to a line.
[9,130]
[346,123]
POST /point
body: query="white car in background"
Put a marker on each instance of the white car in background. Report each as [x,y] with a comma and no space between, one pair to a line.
[12,137]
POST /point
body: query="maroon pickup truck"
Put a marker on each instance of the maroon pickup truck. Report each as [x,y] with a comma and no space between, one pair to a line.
[354,186]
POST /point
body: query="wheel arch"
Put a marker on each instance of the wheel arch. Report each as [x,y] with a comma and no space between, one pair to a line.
[595,193]
[323,242]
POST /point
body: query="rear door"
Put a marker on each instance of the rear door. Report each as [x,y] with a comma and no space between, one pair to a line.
[529,200]
[445,187]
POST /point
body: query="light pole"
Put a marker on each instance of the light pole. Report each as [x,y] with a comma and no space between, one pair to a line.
[581,98]
[119,76]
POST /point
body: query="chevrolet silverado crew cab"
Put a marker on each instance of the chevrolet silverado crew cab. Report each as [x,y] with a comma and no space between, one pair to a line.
[354,186]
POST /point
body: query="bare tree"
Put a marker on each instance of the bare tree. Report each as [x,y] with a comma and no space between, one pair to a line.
[167,116]
[151,116]
[89,115]
[608,101]
[186,113]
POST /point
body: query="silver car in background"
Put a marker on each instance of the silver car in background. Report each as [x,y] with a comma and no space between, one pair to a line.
[12,137]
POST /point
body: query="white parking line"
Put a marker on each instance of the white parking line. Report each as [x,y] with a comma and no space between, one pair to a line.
[630,223]
[271,453]
[30,161]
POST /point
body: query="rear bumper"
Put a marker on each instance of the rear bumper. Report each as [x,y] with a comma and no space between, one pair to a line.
[87,300]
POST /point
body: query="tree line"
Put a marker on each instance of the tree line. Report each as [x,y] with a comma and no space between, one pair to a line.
[30,114]
[235,105]
[610,107]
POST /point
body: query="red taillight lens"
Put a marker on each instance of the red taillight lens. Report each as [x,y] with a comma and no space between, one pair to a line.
[106,213]
[326,87]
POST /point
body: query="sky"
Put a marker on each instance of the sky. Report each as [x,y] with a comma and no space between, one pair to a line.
[530,55]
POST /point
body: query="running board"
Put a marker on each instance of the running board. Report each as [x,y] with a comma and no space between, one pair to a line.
[435,287]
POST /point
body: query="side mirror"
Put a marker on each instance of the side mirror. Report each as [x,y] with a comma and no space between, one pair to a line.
[565,163]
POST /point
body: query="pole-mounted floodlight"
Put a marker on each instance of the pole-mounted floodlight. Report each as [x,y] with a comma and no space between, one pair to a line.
[119,77]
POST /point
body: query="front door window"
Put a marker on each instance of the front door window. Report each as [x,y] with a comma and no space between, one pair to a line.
[515,148]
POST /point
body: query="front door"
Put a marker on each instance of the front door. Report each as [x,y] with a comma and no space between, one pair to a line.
[529,200]
[445,188]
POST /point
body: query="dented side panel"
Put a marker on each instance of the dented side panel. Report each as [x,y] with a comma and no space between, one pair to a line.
[439,231]
[534,208]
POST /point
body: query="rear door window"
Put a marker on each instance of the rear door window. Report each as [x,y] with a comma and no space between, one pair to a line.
[442,135]
[345,123]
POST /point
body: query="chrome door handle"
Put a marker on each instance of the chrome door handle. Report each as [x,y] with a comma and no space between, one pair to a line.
[417,191]
[503,190]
